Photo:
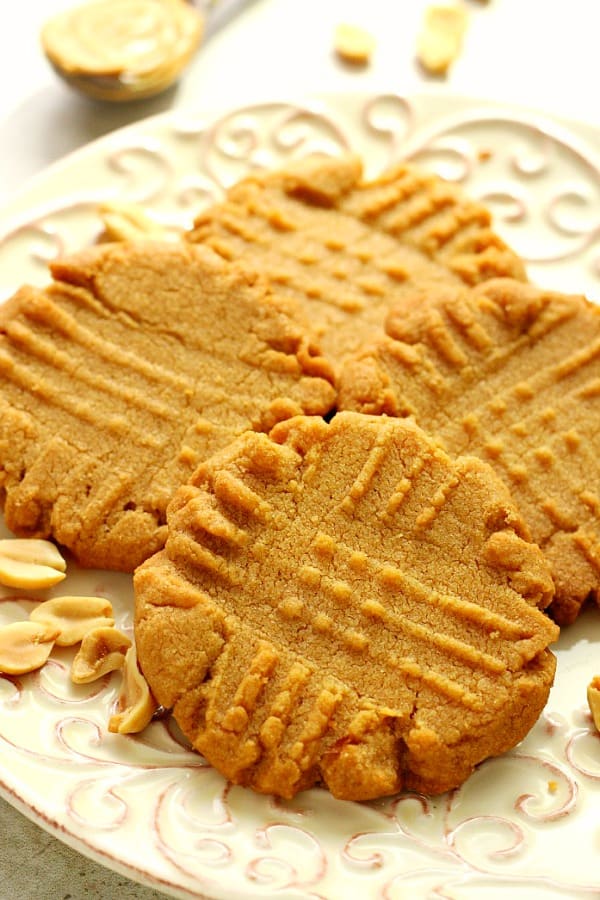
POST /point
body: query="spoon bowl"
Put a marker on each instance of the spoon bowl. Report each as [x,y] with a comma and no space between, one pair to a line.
[122,50]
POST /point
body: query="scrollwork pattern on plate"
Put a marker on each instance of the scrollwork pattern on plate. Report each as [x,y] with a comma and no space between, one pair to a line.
[530,173]
[266,136]
[541,181]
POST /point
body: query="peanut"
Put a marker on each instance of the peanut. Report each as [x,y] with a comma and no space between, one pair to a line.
[353,44]
[24,646]
[129,222]
[440,40]
[73,617]
[593,697]
[102,650]
[136,703]
[30,564]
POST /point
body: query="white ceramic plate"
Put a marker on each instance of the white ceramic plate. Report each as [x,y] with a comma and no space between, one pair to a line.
[145,805]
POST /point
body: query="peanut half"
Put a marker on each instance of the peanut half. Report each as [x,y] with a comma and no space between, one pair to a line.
[25,646]
[353,44]
[593,696]
[102,651]
[73,617]
[441,37]
[136,703]
[30,564]
[129,222]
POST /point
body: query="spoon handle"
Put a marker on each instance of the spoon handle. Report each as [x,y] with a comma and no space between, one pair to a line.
[218,13]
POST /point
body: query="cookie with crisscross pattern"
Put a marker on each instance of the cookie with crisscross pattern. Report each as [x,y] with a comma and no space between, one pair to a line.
[348,248]
[511,373]
[345,604]
[135,364]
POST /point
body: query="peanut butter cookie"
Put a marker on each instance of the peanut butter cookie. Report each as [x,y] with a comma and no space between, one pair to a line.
[344,604]
[511,373]
[135,364]
[349,249]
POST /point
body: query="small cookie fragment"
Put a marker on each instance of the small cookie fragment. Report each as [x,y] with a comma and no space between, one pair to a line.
[593,698]
[25,646]
[511,373]
[115,50]
[136,704]
[353,43]
[30,564]
[137,362]
[440,40]
[344,604]
[72,617]
[102,651]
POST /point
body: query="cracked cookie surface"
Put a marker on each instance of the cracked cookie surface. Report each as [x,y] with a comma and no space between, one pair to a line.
[346,248]
[136,363]
[344,604]
[510,373]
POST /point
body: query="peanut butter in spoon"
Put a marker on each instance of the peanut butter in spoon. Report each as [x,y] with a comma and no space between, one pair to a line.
[123,49]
